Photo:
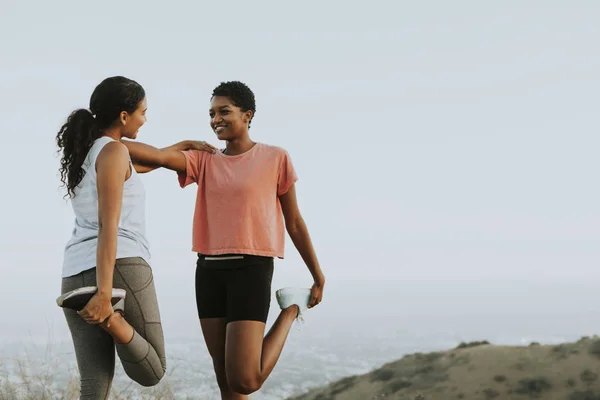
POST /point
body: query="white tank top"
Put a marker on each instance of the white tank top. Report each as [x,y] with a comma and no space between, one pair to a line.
[80,251]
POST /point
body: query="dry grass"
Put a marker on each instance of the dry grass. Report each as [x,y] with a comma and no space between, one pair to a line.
[33,376]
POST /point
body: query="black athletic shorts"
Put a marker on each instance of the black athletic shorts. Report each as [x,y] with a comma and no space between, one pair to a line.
[234,286]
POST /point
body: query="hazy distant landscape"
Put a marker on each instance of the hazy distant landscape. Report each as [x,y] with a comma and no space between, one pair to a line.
[361,338]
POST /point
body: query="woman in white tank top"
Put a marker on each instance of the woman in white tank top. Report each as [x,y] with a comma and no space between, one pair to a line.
[108,294]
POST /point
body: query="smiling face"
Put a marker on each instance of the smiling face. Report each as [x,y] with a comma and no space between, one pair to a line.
[131,123]
[227,120]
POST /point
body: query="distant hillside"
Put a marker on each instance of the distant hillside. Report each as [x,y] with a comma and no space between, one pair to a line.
[479,371]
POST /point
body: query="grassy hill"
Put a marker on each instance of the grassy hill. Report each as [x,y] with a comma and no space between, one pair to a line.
[480,371]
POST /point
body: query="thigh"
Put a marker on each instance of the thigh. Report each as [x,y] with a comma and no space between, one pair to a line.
[94,348]
[141,304]
[213,330]
[243,350]
[211,300]
[249,291]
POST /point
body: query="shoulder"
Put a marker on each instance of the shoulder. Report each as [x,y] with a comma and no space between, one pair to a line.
[274,151]
[113,151]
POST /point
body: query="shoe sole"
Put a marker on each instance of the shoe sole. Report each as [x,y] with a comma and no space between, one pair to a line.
[78,298]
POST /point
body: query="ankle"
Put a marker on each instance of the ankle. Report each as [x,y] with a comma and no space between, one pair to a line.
[293,310]
[118,328]
[112,319]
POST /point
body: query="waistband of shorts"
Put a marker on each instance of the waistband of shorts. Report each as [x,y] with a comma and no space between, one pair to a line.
[229,261]
[223,257]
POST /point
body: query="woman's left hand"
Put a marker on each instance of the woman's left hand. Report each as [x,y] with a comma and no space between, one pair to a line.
[316,292]
[200,145]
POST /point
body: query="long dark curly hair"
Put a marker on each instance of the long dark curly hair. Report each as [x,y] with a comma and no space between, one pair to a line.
[75,138]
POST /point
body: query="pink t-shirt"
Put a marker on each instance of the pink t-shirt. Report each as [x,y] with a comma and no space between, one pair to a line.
[237,205]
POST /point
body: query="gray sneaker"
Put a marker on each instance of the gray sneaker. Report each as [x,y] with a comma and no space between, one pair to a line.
[78,298]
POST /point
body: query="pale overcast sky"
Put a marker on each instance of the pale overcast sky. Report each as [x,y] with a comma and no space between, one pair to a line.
[433,140]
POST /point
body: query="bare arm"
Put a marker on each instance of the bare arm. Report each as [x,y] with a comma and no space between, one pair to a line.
[147,158]
[112,167]
[296,228]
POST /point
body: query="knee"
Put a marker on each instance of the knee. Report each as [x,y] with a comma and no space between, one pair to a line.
[149,380]
[245,385]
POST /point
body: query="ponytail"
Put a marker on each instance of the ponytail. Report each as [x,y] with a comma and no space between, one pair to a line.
[75,139]
[111,97]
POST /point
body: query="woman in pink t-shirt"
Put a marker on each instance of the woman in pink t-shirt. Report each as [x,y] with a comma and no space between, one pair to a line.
[246,200]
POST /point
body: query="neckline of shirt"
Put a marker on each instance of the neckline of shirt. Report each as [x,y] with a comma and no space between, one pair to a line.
[220,152]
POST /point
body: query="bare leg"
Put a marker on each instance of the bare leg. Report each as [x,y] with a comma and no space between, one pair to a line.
[119,329]
[250,358]
[214,332]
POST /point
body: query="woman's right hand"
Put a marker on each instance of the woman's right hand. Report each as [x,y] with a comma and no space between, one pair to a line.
[97,309]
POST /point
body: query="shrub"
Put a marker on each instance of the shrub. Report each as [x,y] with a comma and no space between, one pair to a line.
[571,382]
[427,358]
[533,386]
[382,375]
[464,345]
[398,385]
[587,395]
[562,351]
[343,384]
[594,348]
[588,376]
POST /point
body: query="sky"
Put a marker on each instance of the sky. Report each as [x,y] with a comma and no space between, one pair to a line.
[451,144]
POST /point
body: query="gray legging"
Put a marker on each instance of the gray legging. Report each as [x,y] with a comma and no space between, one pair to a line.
[143,358]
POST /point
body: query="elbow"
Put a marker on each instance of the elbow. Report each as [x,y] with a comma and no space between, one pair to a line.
[291,229]
[161,160]
[107,225]
[294,225]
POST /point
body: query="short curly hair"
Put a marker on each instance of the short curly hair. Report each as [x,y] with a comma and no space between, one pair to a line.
[239,93]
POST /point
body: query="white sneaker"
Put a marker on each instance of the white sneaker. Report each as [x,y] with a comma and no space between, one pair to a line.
[78,298]
[287,297]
